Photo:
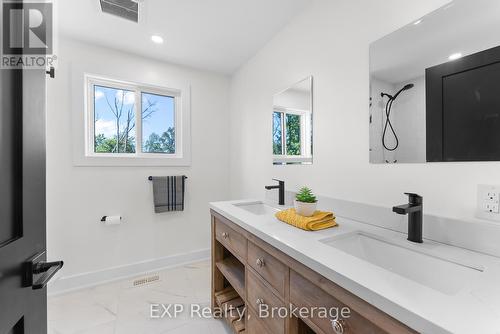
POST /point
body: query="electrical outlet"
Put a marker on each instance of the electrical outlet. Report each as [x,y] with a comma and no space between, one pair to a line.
[491,196]
[494,208]
[491,207]
[488,202]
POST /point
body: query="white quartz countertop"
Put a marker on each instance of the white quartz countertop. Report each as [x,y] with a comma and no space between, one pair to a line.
[474,308]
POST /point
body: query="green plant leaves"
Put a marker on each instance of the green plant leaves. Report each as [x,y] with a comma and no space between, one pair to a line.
[306,195]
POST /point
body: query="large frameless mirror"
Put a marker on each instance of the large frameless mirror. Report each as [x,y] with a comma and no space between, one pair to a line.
[434,87]
[292,124]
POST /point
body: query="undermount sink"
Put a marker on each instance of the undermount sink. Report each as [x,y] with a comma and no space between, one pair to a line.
[436,273]
[257,208]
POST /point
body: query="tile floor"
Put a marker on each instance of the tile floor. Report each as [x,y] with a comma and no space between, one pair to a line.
[119,308]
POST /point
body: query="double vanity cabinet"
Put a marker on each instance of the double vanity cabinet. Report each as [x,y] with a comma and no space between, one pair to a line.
[250,275]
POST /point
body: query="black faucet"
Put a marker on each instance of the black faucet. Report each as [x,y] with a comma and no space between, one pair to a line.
[281,187]
[414,210]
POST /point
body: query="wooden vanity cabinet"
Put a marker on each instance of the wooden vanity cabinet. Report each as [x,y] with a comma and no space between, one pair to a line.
[244,266]
[234,241]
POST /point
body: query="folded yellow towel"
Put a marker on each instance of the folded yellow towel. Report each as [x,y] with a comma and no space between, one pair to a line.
[319,221]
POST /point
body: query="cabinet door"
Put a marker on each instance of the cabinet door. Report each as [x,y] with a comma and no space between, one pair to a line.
[267,266]
[263,301]
[304,293]
[254,324]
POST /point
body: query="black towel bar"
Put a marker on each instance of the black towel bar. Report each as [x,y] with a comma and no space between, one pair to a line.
[151,178]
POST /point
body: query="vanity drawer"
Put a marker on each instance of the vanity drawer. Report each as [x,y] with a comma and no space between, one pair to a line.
[254,325]
[259,294]
[303,293]
[232,240]
[267,266]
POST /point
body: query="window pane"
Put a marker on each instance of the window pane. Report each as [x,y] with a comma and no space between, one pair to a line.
[158,124]
[114,120]
[293,134]
[277,133]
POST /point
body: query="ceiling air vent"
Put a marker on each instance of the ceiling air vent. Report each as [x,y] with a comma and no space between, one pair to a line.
[127,9]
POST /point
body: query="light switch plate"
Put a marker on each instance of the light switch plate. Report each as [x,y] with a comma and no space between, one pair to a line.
[488,202]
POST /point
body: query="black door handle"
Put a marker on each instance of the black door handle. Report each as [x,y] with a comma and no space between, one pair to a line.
[50,269]
[38,272]
[43,267]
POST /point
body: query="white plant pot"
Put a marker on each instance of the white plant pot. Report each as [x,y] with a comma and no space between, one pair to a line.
[305,209]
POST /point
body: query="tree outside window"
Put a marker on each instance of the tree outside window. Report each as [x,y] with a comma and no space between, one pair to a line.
[115,121]
[287,134]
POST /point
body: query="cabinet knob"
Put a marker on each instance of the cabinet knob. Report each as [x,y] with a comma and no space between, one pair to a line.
[339,326]
[225,235]
[260,263]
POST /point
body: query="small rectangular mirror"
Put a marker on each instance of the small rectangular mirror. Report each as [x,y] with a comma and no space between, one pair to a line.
[292,124]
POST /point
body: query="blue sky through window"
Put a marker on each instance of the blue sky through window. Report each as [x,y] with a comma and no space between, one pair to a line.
[105,119]
[158,121]
[162,117]
[114,117]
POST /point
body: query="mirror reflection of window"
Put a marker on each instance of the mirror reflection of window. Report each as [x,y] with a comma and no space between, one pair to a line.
[292,124]
[293,140]
[287,133]
[278,133]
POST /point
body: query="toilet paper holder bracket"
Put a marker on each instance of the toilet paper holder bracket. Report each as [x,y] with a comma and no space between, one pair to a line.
[103,219]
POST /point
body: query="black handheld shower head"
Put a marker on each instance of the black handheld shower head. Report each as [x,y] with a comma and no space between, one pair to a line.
[407,87]
[388,123]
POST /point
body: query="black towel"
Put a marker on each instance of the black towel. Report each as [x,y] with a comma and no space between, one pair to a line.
[168,193]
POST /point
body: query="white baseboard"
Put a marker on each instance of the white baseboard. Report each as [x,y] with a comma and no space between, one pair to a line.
[66,284]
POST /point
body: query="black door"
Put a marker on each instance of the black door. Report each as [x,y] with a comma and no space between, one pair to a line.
[23,272]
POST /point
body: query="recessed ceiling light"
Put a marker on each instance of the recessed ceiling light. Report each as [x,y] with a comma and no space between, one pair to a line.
[417,22]
[455,56]
[157,39]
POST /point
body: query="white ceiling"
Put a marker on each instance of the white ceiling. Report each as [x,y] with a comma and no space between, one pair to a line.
[215,35]
[463,26]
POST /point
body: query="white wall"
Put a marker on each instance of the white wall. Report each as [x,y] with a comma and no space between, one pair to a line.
[77,197]
[330,41]
[378,154]
[409,114]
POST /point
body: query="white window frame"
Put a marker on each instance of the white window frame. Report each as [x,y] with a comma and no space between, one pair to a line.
[305,141]
[182,155]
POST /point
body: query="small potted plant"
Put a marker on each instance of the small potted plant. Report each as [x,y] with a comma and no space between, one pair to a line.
[305,202]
